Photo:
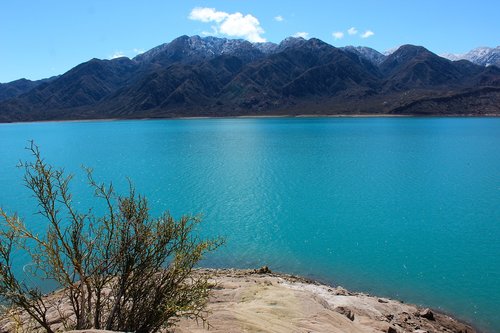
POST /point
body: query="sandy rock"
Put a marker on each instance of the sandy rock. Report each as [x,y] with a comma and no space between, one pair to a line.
[427,314]
[92,331]
[341,291]
[281,303]
[263,270]
[251,301]
[345,311]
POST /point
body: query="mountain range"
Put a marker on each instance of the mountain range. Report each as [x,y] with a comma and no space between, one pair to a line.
[210,76]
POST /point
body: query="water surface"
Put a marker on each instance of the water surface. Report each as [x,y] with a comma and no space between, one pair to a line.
[407,208]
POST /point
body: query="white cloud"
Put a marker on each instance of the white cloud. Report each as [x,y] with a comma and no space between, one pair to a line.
[367,33]
[210,33]
[128,53]
[352,31]
[338,34]
[207,15]
[234,25]
[279,18]
[301,34]
[117,54]
[246,26]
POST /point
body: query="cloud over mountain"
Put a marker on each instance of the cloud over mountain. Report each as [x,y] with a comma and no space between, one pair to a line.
[301,34]
[233,25]
[367,34]
[338,34]
[352,31]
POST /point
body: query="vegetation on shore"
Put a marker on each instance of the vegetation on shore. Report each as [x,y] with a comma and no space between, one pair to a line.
[121,271]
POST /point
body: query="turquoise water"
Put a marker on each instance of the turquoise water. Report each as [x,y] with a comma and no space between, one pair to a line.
[400,207]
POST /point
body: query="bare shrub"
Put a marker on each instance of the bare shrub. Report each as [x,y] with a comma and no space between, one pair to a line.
[123,270]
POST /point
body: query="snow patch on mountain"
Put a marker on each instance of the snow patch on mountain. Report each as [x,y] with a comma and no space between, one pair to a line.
[196,47]
[484,56]
[368,53]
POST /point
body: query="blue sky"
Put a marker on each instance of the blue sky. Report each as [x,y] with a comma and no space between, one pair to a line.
[39,39]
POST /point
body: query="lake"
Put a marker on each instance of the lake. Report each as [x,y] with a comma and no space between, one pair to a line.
[407,208]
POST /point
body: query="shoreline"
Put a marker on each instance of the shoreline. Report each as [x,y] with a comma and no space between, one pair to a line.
[264,301]
[259,300]
[371,115]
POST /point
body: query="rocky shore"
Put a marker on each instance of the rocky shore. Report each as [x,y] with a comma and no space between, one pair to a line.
[263,301]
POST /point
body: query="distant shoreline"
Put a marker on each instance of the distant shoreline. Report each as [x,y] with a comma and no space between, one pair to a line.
[374,115]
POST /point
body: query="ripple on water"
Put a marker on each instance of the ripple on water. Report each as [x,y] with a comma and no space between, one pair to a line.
[406,208]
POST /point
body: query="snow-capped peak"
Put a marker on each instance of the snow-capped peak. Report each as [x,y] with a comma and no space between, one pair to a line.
[484,56]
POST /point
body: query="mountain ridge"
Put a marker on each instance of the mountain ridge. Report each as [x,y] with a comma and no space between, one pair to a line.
[484,56]
[210,76]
